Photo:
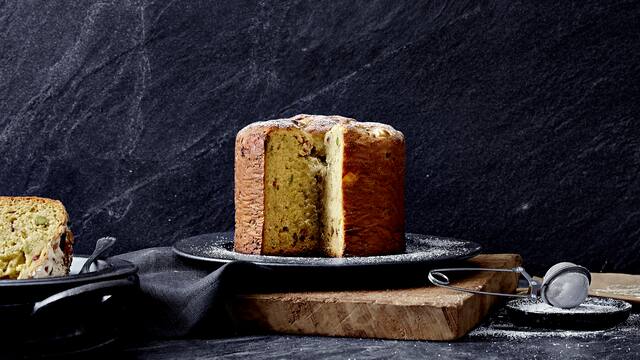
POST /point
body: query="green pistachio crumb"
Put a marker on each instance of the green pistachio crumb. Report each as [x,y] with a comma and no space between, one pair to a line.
[41,220]
[291,179]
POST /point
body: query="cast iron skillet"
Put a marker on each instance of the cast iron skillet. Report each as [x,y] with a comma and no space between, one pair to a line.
[69,313]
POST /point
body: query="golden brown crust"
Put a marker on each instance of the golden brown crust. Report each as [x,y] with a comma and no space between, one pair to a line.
[249,189]
[313,124]
[37,199]
[67,249]
[373,190]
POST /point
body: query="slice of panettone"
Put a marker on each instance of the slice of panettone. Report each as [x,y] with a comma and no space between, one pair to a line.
[35,240]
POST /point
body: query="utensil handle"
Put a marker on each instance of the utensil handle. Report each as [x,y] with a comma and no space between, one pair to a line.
[438,278]
[103,248]
[105,287]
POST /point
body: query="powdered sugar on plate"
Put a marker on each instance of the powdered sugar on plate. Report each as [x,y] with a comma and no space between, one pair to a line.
[502,328]
[420,249]
[591,305]
[527,334]
[593,314]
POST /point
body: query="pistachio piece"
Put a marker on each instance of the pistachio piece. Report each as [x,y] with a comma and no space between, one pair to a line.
[41,220]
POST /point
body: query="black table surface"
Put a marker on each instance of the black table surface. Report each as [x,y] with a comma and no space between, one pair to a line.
[496,338]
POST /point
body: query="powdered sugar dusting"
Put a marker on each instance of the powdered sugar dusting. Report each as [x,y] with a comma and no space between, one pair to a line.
[525,334]
[218,247]
[591,305]
[502,328]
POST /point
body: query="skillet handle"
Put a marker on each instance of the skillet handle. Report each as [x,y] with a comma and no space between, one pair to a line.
[104,287]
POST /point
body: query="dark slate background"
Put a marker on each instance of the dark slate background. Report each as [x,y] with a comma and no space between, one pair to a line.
[520,117]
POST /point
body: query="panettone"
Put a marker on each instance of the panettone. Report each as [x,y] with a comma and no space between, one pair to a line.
[319,185]
[35,240]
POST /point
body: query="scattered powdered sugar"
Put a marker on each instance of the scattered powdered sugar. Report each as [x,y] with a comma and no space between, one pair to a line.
[591,305]
[419,249]
[526,334]
[502,328]
[581,309]
[633,322]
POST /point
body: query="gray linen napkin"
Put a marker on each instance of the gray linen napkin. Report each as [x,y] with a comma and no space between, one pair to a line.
[180,298]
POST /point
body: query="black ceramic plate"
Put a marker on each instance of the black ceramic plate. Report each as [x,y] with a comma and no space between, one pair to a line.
[421,250]
[594,313]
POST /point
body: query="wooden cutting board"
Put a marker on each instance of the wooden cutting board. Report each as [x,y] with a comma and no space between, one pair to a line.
[419,313]
[617,286]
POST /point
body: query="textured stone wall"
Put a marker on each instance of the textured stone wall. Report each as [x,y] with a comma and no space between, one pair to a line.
[520,117]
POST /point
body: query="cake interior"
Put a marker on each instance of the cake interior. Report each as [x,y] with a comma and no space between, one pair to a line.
[26,227]
[294,173]
[333,236]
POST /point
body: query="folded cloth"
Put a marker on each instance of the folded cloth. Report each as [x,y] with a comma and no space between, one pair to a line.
[180,298]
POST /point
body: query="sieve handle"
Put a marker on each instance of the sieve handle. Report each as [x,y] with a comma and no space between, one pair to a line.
[437,277]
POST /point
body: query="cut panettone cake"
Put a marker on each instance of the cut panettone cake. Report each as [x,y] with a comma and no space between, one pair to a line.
[35,240]
[315,185]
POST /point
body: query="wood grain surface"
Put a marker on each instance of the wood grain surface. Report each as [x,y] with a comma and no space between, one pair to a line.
[617,286]
[419,313]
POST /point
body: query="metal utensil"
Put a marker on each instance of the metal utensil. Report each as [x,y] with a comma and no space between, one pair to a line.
[103,247]
[565,285]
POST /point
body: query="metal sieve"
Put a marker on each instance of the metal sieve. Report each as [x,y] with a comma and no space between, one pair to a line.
[565,285]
